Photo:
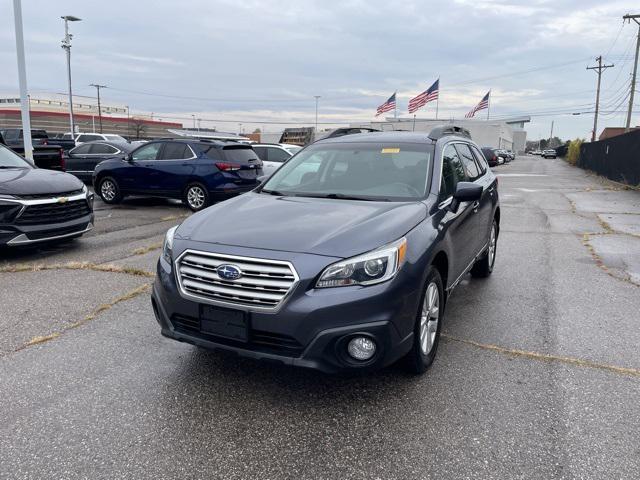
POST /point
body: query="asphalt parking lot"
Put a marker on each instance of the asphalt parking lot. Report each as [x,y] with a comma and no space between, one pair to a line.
[537,376]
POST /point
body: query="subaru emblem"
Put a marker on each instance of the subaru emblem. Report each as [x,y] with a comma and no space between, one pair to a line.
[228,272]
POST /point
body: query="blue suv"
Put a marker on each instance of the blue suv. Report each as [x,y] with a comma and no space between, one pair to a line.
[194,171]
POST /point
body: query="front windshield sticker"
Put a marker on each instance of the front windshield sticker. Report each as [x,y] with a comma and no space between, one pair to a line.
[390,150]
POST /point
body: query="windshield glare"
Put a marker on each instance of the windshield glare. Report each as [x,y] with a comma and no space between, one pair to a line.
[372,171]
[9,159]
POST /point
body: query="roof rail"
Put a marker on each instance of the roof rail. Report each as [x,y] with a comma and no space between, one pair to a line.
[446,130]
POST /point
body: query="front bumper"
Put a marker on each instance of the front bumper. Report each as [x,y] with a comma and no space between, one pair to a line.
[17,233]
[312,327]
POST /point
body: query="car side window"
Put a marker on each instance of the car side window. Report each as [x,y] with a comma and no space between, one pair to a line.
[468,161]
[175,151]
[81,150]
[148,152]
[452,172]
[278,155]
[261,152]
[480,160]
[102,149]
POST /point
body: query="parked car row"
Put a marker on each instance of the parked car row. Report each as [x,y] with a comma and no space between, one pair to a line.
[496,156]
[548,153]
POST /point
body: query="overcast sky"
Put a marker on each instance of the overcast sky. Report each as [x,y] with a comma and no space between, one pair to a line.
[249,60]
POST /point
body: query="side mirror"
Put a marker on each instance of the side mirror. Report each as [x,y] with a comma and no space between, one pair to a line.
[128,158]
[465,192]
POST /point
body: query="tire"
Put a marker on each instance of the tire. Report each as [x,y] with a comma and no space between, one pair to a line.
[484,266]
[426,332]
[109,190]
[196,197]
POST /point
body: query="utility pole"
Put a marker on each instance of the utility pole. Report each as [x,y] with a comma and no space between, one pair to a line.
[25,101]
[98,87]
[66,45]
[599,69]
[551,135]
[635,69]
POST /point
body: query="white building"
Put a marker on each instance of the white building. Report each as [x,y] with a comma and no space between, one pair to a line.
[504,133]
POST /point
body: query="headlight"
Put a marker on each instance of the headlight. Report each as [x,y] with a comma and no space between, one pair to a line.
[374,267]
[167,246]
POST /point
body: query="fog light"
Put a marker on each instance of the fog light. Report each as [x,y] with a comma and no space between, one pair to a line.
[361,348]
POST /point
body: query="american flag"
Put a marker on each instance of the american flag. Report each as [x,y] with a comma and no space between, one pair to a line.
[425,97]
[484,103]
[387,106]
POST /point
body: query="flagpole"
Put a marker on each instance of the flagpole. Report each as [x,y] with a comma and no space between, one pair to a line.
[488,104]
[414,122]
[438,98]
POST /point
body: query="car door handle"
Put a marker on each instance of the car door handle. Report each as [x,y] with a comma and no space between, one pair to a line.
[476,206]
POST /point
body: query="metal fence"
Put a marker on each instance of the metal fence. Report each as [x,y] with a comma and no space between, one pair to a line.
[617,158]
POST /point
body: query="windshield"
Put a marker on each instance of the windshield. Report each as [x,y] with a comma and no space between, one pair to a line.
[9,159]
[368,171]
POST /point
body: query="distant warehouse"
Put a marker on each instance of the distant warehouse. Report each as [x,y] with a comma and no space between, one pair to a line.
[50,112]
[508,134]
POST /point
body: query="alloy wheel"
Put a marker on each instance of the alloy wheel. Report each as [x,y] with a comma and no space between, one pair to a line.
[429,318]
[196,197]
[492,246]
[108,190]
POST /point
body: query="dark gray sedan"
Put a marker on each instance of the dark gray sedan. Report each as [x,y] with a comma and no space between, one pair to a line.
[82,160]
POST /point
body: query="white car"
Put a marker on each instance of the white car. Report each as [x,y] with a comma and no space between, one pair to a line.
[81,138]
[273,155]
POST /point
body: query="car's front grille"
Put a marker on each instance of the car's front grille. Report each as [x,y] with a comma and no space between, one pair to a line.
[49,195]
[46,213]
[262,283]
[259,340]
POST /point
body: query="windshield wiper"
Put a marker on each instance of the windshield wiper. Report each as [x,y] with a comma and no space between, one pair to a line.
[342,196]
[272,192]
[10,166]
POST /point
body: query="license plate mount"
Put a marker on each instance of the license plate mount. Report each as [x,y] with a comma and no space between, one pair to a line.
[222,322]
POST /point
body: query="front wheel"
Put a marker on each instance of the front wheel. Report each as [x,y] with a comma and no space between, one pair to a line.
[109,190]
[196,197]
[484,266]
[426,332]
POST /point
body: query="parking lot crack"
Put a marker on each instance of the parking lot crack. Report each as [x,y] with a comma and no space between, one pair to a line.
[545,357]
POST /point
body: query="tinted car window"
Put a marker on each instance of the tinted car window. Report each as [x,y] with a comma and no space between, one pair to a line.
[452,172]
[468,161]
[278,155]
[38,134]
[148,152]
[175,151]
[81,150]
[261,152]
[88,138]
[240,155]
[480,160]
[102,148]
[10,135]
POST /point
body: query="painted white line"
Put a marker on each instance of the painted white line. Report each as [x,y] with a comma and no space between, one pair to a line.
[521,175]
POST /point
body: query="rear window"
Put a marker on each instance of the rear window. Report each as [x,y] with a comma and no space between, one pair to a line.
[39,134]
[239,154]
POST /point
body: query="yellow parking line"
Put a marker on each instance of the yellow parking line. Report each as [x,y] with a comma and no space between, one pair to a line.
[546,357]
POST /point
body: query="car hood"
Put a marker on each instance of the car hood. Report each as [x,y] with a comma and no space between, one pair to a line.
[38,181]
[331,227]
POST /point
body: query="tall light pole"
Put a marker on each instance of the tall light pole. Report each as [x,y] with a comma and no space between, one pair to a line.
[98,87]
[194,121]
[635,70]
[317,97]
[66,44]
[22,80]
